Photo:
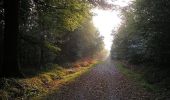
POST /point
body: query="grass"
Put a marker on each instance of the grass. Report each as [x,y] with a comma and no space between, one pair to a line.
[160,90]
[138,78]
[43,83]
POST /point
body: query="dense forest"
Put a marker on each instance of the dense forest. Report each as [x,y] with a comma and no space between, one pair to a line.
[143,39]
[38,33]
[47,44]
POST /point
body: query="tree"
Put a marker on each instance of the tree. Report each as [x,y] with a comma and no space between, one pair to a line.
[36,33]
[83,42]
[1,32]
[10,66]
[145,32]
[144,37]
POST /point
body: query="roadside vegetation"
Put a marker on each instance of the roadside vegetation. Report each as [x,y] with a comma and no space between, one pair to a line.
[44,44]
[46,82]
[46,32]
[138,76]
[143,40]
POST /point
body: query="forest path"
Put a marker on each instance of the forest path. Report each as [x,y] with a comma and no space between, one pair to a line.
[103,82]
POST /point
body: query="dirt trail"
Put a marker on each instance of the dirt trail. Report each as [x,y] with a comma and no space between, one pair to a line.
[103,82]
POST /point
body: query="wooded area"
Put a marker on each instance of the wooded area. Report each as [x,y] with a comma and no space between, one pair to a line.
[143,39]
[36,33]
[40,38]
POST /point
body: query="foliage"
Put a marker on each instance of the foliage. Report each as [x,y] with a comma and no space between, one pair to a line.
[134,76]
[83,42]
[41,33]
[49,32]
[143,38]
[42,84]
[46,31]
[159,90]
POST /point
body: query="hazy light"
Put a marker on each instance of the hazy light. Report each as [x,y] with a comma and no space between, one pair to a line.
[121,3]
[107,20]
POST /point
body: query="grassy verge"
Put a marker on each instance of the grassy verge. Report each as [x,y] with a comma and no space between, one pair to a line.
[161,92]
[66,80]
[135,76]
[43,83]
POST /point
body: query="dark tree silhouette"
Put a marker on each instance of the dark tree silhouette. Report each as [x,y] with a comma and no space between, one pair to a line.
[10,66]
[1,32]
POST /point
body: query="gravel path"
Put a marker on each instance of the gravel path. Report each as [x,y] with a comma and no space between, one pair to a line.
[103,82]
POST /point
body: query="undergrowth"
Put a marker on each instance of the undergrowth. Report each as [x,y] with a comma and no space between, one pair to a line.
[43,83]
[161,92]
[135,76]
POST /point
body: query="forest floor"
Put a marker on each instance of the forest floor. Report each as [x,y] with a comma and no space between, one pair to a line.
[105,81]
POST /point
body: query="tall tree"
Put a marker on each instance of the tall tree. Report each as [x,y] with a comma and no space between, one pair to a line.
[10,66]
[1,32]
[144,38]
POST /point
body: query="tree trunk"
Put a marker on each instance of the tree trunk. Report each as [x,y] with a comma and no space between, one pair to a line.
[1,45]
[10,66]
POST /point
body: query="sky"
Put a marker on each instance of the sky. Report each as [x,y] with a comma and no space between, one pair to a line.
[108,20]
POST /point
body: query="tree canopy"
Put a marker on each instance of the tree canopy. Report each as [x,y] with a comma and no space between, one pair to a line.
[52,31]
[143,37]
